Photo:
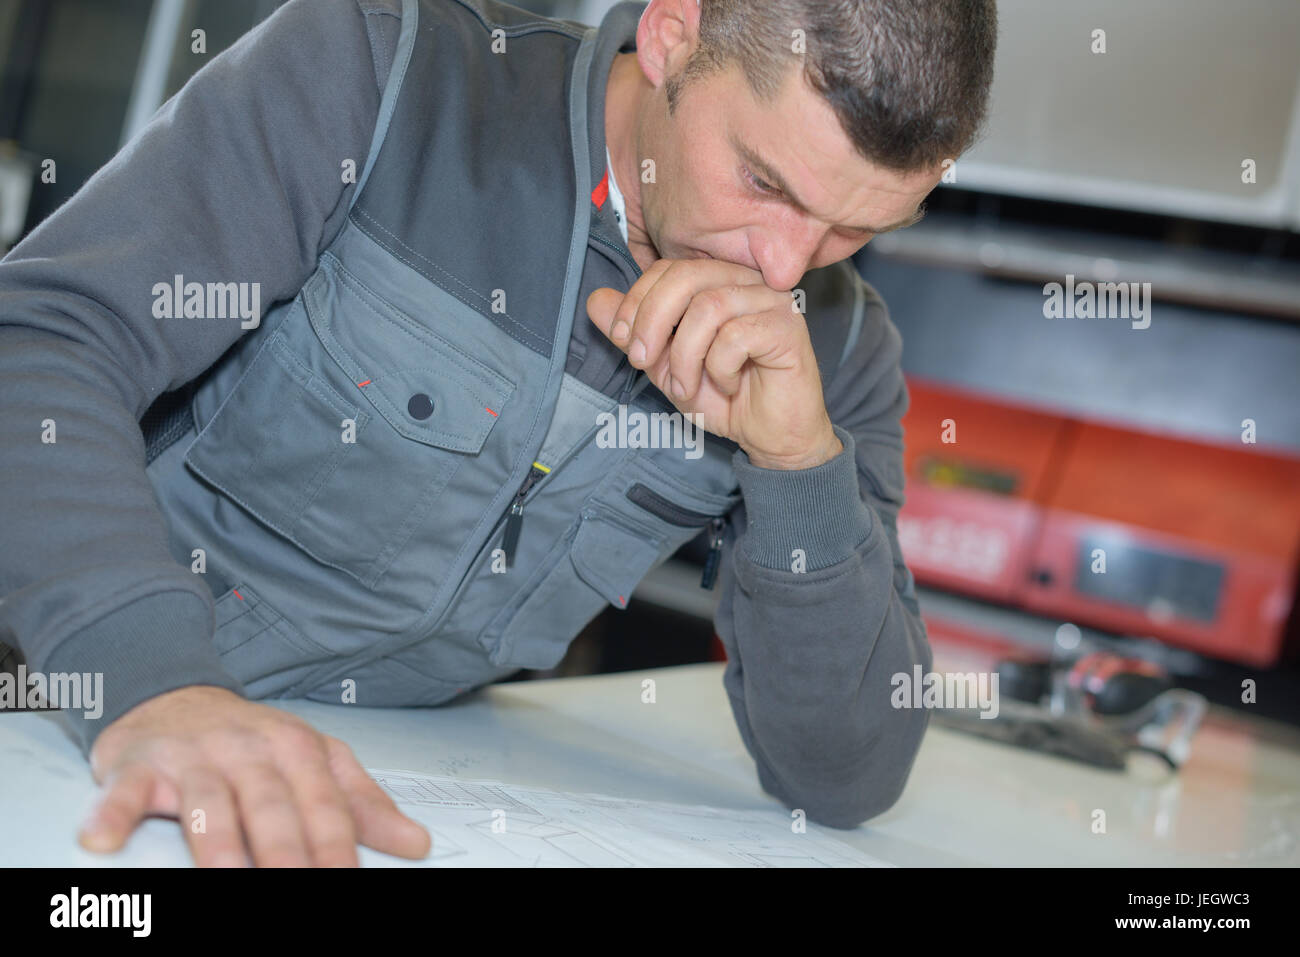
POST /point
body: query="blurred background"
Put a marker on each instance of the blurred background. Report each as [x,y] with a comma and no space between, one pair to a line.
[1134,491]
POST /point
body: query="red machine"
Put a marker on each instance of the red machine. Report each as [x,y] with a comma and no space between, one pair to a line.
[1191,542]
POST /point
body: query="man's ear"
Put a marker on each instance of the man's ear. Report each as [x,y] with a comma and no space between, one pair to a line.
[666,36]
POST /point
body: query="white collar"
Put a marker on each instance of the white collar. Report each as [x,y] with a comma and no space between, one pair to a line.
[616,197]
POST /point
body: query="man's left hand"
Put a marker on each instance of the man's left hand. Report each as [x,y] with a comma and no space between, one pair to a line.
[716,340]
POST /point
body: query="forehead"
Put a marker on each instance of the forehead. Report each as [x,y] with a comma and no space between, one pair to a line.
[799,138]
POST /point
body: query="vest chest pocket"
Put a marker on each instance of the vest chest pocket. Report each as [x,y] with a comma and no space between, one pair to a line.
[346,426]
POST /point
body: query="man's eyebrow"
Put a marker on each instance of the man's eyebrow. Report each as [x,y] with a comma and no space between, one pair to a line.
[764,171]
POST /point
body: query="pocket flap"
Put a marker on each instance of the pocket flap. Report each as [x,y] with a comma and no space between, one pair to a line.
[611,558]
[426,388]
[437,406]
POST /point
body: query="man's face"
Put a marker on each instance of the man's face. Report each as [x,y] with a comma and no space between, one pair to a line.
[718,159]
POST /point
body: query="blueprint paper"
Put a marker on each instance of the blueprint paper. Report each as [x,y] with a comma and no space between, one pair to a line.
[490,824]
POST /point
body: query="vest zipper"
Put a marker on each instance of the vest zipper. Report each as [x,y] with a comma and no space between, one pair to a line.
[515,517]
[626,256]
[628,385]
[710,576]
[515,514]
[674,514]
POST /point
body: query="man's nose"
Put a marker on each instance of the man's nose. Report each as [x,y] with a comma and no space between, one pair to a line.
[784,253]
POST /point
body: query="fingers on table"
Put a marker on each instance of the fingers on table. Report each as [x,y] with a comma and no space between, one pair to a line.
[119,812]
[326,812]
[210,820]
[271,817]
[380,824]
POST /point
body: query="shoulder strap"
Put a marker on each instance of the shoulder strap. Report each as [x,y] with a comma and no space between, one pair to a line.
[169,418]
[388,102]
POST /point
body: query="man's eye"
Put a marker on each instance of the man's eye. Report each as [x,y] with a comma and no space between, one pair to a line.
[758,184]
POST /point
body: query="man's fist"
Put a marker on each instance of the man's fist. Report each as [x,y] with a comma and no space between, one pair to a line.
[716,341]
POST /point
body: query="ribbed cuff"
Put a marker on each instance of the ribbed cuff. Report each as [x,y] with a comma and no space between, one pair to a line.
[153,645]
[803,519]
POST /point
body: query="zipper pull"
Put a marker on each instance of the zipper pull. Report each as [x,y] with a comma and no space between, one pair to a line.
[710,576]
[515,517]
[626,393]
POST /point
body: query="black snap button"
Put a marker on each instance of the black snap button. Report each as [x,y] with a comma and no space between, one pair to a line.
[420,406]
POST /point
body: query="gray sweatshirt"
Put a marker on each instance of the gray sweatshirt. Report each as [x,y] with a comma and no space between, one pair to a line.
[238,175]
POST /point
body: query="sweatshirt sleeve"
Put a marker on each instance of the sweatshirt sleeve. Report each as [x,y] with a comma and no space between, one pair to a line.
[237,178]
[818,610]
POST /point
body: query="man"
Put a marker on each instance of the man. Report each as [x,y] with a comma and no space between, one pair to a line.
[497,246]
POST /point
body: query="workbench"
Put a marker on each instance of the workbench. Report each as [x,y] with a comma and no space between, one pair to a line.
[968,801]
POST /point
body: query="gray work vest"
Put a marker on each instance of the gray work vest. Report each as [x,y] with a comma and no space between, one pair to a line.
[357,457]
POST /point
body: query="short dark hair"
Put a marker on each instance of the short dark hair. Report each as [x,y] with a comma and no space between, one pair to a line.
[908,79]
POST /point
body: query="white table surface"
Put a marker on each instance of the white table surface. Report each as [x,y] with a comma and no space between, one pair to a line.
[968,802]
